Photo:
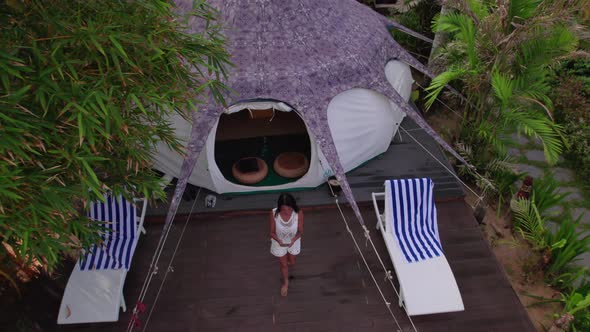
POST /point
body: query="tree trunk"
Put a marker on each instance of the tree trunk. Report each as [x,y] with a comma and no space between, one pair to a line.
[434,63]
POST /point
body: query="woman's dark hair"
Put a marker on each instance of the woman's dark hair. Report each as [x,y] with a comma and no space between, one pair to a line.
[288,200]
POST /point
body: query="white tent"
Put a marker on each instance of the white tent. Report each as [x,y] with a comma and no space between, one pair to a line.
[362,123]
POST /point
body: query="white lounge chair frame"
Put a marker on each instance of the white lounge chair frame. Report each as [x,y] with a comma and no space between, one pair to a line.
[426,287]
[93,296]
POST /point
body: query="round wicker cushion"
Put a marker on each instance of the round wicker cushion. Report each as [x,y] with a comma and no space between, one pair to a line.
[291,164]
[250,177]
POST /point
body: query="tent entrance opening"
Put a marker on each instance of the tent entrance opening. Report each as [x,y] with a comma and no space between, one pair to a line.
[262,140]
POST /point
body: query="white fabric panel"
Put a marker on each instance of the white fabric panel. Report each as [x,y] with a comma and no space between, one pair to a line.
[398,117]
[362,123]
[399,76]
[170,162]
[166,160]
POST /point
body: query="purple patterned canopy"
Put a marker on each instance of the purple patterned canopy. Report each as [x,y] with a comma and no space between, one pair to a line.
[304,53]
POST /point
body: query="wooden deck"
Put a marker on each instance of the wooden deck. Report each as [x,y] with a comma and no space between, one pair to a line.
[224,279]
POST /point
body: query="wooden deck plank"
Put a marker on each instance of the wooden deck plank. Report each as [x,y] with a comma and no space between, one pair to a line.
[225,279]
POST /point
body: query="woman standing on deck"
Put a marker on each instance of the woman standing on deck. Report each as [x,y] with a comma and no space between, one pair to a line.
[286,228]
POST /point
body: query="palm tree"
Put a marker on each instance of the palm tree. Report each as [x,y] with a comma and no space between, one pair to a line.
[500,54]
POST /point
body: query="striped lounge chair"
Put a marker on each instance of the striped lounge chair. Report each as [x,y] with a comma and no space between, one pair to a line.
[94,291]
[410,231]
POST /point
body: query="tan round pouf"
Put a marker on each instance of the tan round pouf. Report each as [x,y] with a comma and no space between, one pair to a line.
[291,164]
[250,177]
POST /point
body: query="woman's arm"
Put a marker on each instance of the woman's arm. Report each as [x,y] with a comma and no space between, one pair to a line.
[273,230]
[299,227]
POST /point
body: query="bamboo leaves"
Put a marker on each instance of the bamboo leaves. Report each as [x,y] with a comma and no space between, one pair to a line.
[86,93]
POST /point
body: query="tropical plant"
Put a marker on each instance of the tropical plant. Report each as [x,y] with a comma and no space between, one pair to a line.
[546,194]
[87,90]
[569,277]
[571,96]
[576,315]
[416,15]
[495,174]
[529,223]
[573,243]
[560,249]
[499,54]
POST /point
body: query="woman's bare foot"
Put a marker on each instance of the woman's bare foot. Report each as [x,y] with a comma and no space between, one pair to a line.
[284,289]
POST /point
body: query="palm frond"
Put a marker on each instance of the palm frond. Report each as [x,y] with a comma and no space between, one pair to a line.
[536,125]
[463,29]
[501,164]
[478,8]
[523,9]
[547,194]
[532,91]
[487,131]
[576,244]
[542,49]
[528,222]
[451,54]
[439,82]
[503,87]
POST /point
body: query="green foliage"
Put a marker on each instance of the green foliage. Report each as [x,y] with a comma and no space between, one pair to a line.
[576,243]
[496,175]
[523,9]
[546,194]
[571,97]
[561,248]
[441,81]
[568,278]
[529,223]
[500,55]
[462,28]
[415,15]
[578,305]
[87,88]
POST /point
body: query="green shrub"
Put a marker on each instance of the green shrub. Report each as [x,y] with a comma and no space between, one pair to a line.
[546,194]
[560,249]
[86,92]
[577,305]
[417,17]
[567,244]
[571,97]
[500,55]
[530,224]
[497,175]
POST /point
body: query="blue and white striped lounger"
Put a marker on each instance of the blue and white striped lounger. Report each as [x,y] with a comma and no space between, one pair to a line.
[409,227]
[94,291]
[119,235]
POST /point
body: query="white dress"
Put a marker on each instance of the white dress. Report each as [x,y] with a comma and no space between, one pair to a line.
[286,231]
